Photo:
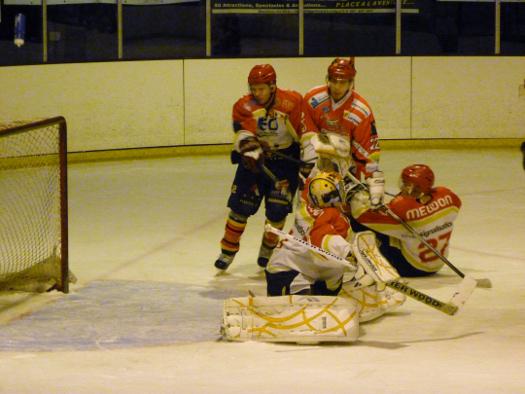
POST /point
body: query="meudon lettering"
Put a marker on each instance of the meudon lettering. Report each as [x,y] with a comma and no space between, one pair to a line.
[434,206]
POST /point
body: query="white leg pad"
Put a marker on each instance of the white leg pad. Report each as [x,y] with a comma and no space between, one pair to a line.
[294,318]
[365,251]
[373,303]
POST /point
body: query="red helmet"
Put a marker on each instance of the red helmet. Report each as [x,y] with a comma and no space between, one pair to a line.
[419,175]
[342,69]
[262,73]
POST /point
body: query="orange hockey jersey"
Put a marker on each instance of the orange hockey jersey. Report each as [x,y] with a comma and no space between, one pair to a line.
[352,117]
[277,127]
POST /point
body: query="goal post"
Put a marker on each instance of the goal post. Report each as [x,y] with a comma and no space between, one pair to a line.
[33,206]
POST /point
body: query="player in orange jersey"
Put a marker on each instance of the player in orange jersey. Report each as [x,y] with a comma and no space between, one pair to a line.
[265,121]
[339,128]
[430,210]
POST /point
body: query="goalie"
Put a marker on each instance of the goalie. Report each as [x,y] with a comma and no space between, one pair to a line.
[321,222]
[324,300]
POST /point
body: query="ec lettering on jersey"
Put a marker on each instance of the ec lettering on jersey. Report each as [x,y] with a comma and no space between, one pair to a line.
[430,208]
[267,124]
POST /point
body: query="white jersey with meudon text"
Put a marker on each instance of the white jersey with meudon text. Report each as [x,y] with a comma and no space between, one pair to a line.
[434,221]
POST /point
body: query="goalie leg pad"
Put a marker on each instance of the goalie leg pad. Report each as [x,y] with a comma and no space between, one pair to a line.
[300,319]
[373,303]
[367,254]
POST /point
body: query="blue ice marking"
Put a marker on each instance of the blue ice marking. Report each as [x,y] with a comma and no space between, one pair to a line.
[119,314]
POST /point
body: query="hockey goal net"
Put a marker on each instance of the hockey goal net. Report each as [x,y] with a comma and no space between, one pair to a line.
[33,206]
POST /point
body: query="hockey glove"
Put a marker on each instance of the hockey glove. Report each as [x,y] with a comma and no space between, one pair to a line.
[252,154]
[360,203]
[304,172]
[376,187]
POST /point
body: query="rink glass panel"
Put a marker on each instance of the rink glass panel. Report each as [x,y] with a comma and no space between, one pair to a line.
[83,31]
[360,34]
[260,35]
[31,51]
[163,31]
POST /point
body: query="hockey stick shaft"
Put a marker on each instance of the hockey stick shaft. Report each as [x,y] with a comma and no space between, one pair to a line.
[444,307]
[269,228]
[269,174]
[255,156]
[289,158]
[423,240]
[447,308]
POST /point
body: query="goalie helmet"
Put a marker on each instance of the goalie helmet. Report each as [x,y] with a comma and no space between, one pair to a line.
[342,69]
[419,175]
[262,73]
[324,190]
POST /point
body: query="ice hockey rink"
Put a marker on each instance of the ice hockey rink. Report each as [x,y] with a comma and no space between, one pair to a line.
[145,313]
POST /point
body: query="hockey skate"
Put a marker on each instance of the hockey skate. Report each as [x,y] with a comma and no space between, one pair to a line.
[264,256]
[223,261]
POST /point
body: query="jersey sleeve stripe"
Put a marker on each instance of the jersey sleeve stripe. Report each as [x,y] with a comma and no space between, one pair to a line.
[361,107]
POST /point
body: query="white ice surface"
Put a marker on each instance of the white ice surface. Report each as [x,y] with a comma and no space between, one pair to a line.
[160,221]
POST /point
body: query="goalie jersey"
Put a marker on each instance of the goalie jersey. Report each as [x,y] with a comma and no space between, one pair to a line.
[326,228]
[433,221]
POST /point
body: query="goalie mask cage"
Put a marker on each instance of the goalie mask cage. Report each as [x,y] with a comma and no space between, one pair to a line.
[33,206]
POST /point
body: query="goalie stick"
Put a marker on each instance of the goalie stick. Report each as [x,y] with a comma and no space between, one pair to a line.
[483,282]
[458,299]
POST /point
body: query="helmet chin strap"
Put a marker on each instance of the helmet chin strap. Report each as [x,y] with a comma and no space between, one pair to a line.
[271,101]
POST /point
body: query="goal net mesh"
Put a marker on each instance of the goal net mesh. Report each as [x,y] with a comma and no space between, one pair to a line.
[33,206]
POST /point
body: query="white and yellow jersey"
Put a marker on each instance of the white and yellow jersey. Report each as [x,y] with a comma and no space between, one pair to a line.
[326,228]
[432,220]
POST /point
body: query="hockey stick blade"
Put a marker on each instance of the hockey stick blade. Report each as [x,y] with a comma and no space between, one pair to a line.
[463,292]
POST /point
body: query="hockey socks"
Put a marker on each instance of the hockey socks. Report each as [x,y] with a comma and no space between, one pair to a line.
[268,243]
[230,243]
